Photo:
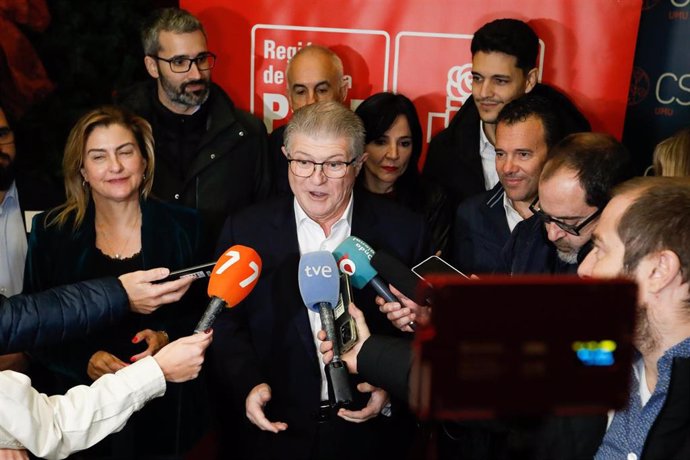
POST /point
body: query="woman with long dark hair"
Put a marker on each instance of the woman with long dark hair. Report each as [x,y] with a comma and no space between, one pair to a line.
[394,144]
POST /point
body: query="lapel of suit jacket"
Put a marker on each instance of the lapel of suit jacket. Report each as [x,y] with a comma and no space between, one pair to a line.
[284,224]
[364,220]
[496,213]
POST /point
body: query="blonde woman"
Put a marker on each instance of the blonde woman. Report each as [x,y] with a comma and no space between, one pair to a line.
[672,155]
[109,225]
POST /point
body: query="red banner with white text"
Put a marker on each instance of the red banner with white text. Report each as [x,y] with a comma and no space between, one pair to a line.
[420,48]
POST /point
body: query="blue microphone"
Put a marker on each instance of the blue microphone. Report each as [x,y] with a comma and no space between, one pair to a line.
[319,285]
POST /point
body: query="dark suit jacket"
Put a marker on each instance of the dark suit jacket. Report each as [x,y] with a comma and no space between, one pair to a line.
[529,250]
[279,164]
[268,339]
[36,195]
[453,158]
[479,233]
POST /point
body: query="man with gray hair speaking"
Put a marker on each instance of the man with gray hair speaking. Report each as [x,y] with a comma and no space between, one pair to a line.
[265,351]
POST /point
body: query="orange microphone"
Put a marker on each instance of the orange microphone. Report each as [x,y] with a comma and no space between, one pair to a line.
[232,279]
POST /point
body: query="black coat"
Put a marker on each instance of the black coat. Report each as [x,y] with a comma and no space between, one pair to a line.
[230,169]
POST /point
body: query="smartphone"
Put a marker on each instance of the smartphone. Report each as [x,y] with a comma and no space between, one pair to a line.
[197,272]
[344,323]
[435,264]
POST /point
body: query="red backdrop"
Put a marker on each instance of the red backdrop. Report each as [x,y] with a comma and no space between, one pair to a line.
[421,49]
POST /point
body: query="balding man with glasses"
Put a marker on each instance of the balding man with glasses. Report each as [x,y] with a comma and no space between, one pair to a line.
[574,187]
[210,155]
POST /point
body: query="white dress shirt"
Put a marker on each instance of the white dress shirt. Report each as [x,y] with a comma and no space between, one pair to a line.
[13,245]
[512,215]
[487,152]
[311,237]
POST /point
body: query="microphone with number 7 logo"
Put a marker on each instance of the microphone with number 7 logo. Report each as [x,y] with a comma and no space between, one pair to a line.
[232,279]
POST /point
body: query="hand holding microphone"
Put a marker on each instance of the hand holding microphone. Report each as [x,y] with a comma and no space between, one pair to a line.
[319,284]
[233,278]
[412,290]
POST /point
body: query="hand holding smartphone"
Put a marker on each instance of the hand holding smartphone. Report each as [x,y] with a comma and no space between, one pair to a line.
[197,272]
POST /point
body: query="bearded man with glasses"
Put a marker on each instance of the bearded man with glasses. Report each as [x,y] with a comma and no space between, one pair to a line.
[574,187]
[210,155]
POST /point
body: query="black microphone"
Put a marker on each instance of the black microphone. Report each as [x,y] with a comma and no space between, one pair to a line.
[319,285]
[399,275]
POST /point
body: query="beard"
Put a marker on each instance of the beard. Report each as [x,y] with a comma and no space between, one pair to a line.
[646,337]
[569,257]
[182,96]
[7,173]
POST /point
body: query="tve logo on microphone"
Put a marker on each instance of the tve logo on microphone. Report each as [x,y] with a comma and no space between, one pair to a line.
[321,270]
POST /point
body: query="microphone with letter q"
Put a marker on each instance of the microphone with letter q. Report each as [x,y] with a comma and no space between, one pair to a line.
[232,279]
[319,285]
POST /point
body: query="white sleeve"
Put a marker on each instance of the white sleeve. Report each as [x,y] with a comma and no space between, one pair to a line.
[57,426]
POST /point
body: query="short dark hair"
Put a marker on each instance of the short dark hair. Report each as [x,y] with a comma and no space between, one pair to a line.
[600,161]
[175,20]
[531,105]
[508,36]
[657,219]
[379,111]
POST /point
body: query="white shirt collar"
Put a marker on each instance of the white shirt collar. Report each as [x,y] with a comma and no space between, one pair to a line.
[512,215]
[487,154]
[11,196]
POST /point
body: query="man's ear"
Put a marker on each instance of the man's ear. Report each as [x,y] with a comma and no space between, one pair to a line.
[284,150]
[151,66]
[360,163]
[343,90]
[531,80]
[664,270]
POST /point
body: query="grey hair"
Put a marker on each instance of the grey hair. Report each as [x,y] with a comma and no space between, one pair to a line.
[173,20]
[327,119]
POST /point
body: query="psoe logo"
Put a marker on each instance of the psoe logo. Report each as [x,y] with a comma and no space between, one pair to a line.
[458,89]
[595,353]
[673,89]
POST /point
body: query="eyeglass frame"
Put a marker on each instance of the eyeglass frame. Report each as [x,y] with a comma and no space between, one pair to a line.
[194,60]
[9,134]
[314,164]
[568,228]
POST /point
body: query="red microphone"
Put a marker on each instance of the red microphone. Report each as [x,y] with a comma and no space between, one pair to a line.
[232,279]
